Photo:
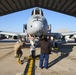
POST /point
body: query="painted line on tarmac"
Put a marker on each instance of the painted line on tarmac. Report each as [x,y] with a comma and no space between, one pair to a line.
[29,72]
[30,67]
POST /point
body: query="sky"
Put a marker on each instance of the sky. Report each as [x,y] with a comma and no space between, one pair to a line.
[14,22]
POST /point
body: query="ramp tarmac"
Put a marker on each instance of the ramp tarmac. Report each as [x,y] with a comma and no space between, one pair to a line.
[61,62]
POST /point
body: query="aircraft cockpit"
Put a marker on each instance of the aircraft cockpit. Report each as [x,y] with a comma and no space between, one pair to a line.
[37,11]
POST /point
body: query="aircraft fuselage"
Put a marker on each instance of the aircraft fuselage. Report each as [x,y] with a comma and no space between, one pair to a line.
[37,25]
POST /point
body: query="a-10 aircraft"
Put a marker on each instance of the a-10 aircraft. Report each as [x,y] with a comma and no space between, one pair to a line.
[37,25]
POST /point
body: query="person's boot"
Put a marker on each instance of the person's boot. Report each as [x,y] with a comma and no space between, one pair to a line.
[16,56]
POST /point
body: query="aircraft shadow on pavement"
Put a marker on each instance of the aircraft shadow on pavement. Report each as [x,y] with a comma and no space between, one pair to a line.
[64,50]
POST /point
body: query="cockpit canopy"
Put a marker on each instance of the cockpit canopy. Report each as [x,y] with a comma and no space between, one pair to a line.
[37,11]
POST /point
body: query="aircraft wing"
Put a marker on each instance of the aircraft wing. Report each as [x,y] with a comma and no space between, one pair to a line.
[13,34]
[68,33]
[63,35]
[55,35]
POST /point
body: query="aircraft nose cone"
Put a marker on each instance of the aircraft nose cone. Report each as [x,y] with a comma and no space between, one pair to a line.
[35,27]
[38,25]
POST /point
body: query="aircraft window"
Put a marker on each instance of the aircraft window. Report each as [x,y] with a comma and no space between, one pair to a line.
[41,12]
[32,12]
[37,12]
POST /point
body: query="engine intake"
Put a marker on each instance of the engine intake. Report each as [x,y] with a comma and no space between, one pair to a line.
[15,37]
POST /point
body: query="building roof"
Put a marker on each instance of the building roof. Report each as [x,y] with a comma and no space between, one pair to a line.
[63,6]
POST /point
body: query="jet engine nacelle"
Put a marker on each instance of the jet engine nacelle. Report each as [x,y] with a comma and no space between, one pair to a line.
[49,28]
[2,36]
[24,28]
[74,36]
[15,37]
[65,38]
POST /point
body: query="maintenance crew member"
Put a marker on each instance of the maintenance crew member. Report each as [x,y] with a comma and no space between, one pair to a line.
[45,47]
[17,48]
[32,47]
[55,45]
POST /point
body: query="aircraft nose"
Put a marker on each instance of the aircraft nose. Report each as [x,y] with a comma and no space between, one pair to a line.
[35,27]
[38,26]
